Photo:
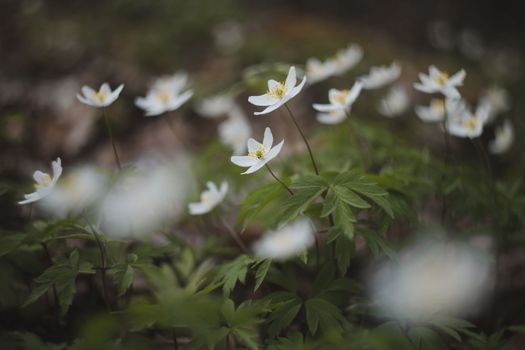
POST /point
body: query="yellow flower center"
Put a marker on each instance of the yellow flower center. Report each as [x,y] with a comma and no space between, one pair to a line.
[259,153]
[341,96]
[438,105]
[205,197]
[163,96]
[99,96]
[277,91]
[44,181]
[441,78]
[471,123]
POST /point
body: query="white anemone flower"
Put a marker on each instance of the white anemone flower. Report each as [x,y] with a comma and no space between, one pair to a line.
[215,106]
[287,241]
[346,59]
[209,199]
[332,117]
[438,81]
[468,124]
[44,183]
[433,113]
[504,137]
[76,191]
[141,201]
[278,93]
[235,131]
[431,280]
[317,70]
[395,103]
[258,153]
[101,98]
[165,95]
[498,100]
[381,76]
[440,109]
[340,100]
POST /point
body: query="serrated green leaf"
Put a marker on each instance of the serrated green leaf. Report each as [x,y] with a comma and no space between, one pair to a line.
[350,197]
[262,271]
[344,249]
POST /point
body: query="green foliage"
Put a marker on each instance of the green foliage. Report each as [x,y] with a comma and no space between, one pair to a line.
[61,276]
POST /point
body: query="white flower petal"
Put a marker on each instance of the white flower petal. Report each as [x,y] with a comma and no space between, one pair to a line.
[244,161]
[268,138]
[262,100]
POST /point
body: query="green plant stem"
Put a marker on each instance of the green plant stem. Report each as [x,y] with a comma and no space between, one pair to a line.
[314,164]
[235,236]
[50,261]
[278,180]
[169,120]
[110,133]
[103,258]
[175,343]
[444,205]
[357,139]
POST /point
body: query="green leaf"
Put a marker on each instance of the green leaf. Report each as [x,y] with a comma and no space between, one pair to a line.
[344,248]
[350,197]
[262,271]
[344,219]
[234,271]
[307,189]
[256,201]
[320,312]
[9,241]
[123,277]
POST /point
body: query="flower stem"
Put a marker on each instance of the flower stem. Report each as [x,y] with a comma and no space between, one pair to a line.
[235,236]
[278,180]
[103,258]
[314,164]
[447,152]
[110,133]
[354,136]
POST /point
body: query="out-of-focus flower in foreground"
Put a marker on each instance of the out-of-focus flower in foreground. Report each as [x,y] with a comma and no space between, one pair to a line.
[504,136]
[258,153]
[317,70]
[165,95]
[432,279]
[101,98]
[145,198]
[346,59]
[381,76]
[76,191]
[215,106]
[439,81]
[44,183]
[395,103]
[235,131]
[210,198]
[433,113]
[287,241]
[468,124]
[278,93]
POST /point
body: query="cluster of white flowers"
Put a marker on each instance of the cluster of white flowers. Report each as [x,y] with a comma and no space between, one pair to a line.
[343,61]
[453,111]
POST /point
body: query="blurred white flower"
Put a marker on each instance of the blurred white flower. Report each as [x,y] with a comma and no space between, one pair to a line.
[433,113]
[101,98]
[215,106]
[395,103]
[340,100]
[287,241]
[140,202]
[209,198]
[235,131]
[471,45]
[346,59]
[229,36]
[332,117]
[441,35]
[165,95]
[497,99]
[381,76]
[76,191]
[438,81]
[317,71]
[431,280]
[258,153]
[468,124]
[44,184]
[278,93]
[504,137]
